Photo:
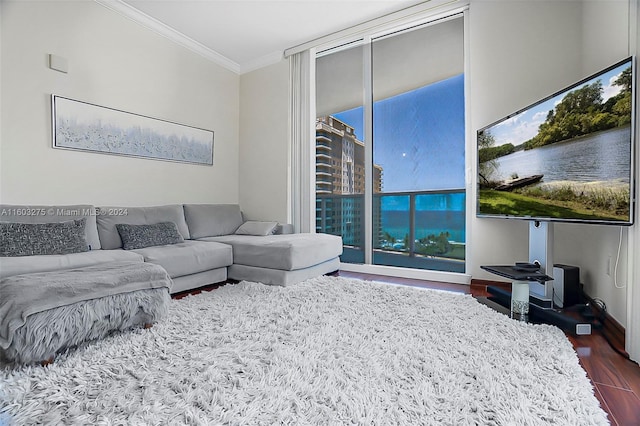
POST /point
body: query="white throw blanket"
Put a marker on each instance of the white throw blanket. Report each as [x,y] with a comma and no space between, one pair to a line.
[24,295]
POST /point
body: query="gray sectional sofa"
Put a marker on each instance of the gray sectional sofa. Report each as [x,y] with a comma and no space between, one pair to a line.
[197,244]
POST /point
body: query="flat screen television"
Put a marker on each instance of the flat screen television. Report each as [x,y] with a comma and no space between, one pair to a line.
[567,158]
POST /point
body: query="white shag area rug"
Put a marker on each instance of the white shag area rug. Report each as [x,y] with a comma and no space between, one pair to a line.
[328,351]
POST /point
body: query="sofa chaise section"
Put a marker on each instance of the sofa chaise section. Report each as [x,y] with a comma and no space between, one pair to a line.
[286,252]
[279,259]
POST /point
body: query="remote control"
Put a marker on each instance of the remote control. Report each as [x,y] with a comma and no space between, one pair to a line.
[525,266]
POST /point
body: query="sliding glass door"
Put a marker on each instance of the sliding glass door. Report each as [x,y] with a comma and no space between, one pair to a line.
[390,142]
[418,143]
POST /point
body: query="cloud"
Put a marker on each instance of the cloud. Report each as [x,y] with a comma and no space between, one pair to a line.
[527,128]
[540,116]
[512,121]
[518,129]
[610,89]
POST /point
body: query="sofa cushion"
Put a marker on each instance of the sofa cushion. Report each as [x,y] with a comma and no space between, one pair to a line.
[48,214]
[212,220]
[141,236]
[10,266]
[29,239]
[188,257]
[108,217]
[287,252]
[253,227]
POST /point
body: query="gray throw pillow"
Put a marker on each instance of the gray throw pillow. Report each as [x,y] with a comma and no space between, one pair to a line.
[32,239]
[141,236]
[254,227]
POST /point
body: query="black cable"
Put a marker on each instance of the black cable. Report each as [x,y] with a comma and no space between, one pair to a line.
[601,318]
[600,304]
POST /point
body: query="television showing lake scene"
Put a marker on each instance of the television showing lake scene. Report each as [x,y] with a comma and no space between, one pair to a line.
[568,157]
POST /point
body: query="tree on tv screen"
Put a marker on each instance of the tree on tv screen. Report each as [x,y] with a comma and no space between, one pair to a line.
[582,111]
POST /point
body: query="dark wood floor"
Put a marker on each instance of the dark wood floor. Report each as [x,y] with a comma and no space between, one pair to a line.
[616,380]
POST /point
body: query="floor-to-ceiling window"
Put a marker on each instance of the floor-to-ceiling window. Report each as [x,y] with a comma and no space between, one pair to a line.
[340,166]
[390,143]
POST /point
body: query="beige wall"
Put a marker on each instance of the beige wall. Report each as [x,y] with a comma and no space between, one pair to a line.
[116,63]
[264,143]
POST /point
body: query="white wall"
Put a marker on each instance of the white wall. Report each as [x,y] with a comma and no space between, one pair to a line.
[264,143]
[116,63]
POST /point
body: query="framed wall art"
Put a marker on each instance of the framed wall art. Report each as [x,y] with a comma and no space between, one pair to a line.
[84,126]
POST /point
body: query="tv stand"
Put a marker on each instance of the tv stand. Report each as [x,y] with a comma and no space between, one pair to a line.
[514,274]
[538,314]
[541,252]
[540,282]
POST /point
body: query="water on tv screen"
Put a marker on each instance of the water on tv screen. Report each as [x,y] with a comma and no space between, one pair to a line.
[568,157]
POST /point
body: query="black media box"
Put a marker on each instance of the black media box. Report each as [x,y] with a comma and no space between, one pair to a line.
[566,285]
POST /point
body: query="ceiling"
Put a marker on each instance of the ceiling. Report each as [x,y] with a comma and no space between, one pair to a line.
[247,34]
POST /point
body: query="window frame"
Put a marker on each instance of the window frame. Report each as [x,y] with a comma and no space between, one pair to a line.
[366,38]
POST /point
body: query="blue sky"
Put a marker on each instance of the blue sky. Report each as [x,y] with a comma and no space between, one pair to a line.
[418,136]
[522,127]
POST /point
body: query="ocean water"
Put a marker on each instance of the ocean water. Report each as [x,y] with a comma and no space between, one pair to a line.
[396,222]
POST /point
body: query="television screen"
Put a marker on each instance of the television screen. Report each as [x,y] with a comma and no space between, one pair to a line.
[568,157]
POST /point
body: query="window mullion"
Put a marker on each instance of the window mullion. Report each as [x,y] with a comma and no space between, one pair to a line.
[368,150]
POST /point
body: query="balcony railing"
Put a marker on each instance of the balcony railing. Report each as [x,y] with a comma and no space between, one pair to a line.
[419,229]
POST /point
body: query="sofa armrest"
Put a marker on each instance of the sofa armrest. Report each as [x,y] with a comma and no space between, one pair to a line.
[284,228]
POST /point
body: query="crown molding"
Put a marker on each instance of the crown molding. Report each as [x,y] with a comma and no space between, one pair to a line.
[164,30]
[261,62]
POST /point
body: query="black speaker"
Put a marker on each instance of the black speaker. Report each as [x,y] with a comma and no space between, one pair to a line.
[566,285]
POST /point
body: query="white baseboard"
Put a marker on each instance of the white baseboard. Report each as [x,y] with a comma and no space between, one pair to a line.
[418,274]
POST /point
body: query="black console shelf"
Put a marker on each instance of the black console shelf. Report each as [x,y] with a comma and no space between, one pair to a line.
[513,273]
